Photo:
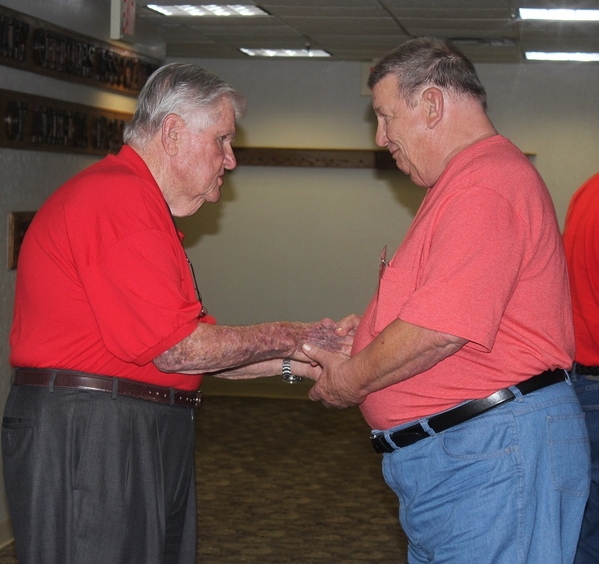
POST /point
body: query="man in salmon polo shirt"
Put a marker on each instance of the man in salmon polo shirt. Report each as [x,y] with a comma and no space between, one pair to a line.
[458,361]
[581,243]
[110,339]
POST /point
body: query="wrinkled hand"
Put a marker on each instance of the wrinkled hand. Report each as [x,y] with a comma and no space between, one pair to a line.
[324,335]
[334,387]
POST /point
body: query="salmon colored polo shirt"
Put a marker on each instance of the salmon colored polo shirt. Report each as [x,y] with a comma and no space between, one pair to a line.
[483,260]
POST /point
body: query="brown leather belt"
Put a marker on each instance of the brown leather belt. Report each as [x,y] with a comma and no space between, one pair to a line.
[93,382]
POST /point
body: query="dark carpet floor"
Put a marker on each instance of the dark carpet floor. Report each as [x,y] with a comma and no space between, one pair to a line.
[286,481]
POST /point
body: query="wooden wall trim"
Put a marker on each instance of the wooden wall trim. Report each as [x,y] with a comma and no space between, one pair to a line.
[327,158]
[379,159]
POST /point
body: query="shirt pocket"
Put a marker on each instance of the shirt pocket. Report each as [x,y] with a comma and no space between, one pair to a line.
[395,287]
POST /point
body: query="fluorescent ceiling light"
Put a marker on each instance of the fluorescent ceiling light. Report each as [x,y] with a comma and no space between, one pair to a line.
[285,52]
[559,14]
[187,10]
[580,57]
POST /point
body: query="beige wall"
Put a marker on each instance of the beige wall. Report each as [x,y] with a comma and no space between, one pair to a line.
[296,243]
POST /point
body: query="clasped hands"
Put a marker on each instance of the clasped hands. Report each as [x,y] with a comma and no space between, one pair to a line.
[330,367]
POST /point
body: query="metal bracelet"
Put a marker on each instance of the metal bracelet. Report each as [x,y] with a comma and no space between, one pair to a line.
[288,377]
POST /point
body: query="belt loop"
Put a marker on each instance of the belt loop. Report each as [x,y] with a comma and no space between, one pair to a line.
[172,391]
[424,424]
[51,382]
[572,374]
[569,374]
[115,388]
[518,395]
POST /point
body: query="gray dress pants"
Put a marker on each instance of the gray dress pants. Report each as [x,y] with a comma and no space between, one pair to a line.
[93,478]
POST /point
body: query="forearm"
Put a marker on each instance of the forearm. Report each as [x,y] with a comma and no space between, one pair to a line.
[212,348]
[247,372]
[267,368]
[399,352]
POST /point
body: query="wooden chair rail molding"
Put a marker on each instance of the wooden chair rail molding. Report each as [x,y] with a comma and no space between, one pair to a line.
[38,46]
[327,158]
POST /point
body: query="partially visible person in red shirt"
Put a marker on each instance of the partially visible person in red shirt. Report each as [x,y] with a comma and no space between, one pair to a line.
[581,242]
[110,338]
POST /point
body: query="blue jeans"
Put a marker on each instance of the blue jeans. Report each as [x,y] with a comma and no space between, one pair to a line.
[587,388]
[507,487]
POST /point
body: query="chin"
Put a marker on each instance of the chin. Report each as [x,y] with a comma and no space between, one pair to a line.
[215,197]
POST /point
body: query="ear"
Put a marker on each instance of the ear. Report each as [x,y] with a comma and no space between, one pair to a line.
[432,100]
[172,126]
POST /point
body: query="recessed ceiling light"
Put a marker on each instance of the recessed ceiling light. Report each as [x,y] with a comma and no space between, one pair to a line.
[285,52]
[187,10]
[579,57]
[559,14]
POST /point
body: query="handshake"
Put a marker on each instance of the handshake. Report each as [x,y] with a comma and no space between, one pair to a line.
[323,355]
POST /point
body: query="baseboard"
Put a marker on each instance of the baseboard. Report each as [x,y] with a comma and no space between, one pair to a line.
[6,534]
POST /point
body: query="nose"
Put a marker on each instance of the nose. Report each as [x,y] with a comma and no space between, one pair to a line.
[381,135]
[230,162]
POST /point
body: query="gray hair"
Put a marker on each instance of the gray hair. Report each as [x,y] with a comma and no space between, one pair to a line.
[427,61]
[183,89]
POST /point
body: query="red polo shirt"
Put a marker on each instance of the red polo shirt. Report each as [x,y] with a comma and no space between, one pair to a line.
[581,240]
[103,283]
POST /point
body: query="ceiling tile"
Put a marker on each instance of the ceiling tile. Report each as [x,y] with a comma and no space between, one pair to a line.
[363,30]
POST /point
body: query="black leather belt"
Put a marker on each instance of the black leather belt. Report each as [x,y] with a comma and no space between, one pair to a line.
[93,382]
[587,370]
[443,421]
